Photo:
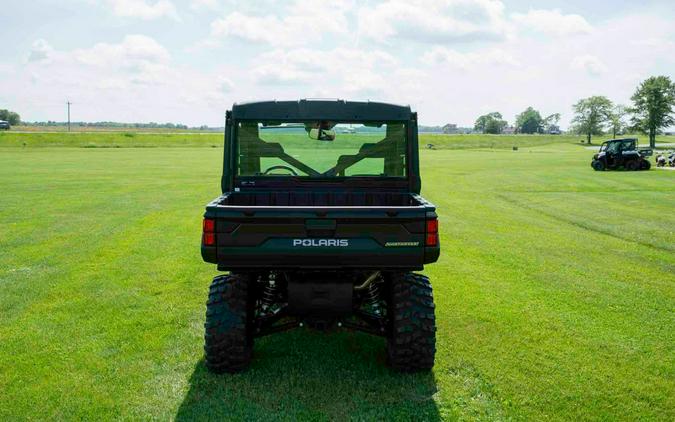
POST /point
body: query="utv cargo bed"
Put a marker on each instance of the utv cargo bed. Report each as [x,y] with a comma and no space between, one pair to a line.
[320,230]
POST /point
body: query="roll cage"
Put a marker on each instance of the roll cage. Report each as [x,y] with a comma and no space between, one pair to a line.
[245,117]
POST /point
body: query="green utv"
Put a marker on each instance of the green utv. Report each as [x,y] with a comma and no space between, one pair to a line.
[320,223]
[621,153]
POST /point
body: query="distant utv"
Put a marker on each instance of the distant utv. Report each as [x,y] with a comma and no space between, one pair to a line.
[621,153]
[4,125]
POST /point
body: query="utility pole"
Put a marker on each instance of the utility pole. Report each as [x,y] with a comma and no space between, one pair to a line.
[68,103]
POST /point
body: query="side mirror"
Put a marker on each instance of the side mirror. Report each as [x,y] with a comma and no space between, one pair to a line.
[322,134]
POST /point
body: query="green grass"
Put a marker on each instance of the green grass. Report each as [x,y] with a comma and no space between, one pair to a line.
[100,129]
[110,139]
[555,295]
[131,139]
[495,141]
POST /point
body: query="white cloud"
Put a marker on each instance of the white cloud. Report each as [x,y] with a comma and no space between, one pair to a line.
[131,65]
[552,22]
[134,50]
[143,9]
[656,45]
[226,85]
[305,22]
[204,4]
[588,63]
[343,72]
[367,83]
[442,55]
[138,59]
[265,29]
[132,80]
[290,67]
[304,66]
[272,74]
[40,50]
[438,21]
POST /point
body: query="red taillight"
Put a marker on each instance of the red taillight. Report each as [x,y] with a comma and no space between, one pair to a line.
[209,239]
[209,225]
[432,233]
[208,232]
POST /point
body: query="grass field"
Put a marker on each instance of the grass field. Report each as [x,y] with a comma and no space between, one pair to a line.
[158,139]
[555,292]
[76,128]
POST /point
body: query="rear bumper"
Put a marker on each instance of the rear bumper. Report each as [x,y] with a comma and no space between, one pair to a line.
[398,258]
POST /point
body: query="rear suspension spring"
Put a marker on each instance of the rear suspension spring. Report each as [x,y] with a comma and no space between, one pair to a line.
[373,298]
[269,294]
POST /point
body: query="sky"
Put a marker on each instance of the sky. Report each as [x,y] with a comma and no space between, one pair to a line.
[452,60]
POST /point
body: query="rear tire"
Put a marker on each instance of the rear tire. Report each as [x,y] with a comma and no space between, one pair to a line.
[228,336]
[632,165]
[645,165]
[598,165]
[411,344]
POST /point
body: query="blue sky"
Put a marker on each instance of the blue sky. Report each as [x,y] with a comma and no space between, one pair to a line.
[188,61]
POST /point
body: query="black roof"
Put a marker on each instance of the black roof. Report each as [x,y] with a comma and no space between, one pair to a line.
[621,139]
[321,110]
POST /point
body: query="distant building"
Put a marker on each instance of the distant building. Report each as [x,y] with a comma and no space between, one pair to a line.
[509,130]
[554,130]
[450,128]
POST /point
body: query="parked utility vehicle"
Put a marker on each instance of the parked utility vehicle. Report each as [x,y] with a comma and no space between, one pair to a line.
[320,223]
[621,153]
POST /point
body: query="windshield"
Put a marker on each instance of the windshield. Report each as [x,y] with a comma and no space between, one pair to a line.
[321,149]
[613,147]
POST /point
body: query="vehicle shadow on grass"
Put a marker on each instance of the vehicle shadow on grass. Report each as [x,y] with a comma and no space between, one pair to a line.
[308,375]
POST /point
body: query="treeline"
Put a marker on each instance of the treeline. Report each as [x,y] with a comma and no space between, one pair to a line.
[111,125]
[529,121]
[651,112]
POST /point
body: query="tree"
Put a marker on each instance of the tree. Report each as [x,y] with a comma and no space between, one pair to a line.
[529,121]
[591,115]
[490,123]
[11,117]
[617,119]
[653,103]
[550,123]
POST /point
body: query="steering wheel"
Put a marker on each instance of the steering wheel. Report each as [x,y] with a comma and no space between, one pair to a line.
[280,168]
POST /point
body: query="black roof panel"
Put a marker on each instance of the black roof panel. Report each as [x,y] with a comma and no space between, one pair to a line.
[321,109]
[621,139]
